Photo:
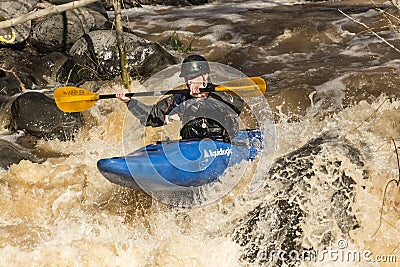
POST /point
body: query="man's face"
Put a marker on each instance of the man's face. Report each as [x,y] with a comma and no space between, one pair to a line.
[196,83]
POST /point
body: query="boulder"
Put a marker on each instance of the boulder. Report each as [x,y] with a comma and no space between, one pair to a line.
[17,70]
[13,154]
[26,69]
[5,110]
[58,32]
[307,203]
[96,6]
[11,9]
[49,66]
[38,115]
[96,56]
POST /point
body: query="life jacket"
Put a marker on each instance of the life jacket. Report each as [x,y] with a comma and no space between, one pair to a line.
[201,128]
[208,118]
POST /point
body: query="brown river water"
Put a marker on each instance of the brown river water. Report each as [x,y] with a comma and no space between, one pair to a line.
[325,72]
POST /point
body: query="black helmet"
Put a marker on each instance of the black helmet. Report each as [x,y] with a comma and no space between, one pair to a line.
[193,66]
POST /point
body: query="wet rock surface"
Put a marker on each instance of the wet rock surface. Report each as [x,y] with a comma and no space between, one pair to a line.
[96,6]
[5,110]
[96,54]
[17,70]
[289,220]
[58,32]
[40,54]
[38,115]
[19,33]
[39,58]
[13,154]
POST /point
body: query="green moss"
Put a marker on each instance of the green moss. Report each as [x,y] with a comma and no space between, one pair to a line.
[174,42]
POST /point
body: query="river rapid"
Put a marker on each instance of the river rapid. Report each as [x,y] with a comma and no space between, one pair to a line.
[325,73]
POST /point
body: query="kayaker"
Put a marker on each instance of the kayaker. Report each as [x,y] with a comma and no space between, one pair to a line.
[203,114]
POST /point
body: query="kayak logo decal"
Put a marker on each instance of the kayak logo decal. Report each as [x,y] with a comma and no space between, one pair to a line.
[216,153]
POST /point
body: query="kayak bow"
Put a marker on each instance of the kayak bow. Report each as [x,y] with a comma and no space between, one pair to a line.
[168,166]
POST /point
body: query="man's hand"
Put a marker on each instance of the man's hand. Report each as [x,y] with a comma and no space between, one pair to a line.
[196,84]
[121,95]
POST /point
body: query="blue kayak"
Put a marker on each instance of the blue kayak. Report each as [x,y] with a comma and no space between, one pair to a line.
[185,163]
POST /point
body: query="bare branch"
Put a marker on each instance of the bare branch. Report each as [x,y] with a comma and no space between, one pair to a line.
[21,84]
[396,3]
[369,29]
[44,12]
[121,44]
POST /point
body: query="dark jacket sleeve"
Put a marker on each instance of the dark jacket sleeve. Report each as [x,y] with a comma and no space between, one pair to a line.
[150,115]
[234,102]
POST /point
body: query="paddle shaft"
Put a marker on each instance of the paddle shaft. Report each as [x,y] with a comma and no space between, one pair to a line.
[159,93]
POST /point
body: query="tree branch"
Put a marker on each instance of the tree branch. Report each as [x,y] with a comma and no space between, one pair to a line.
[121,44]
[21,84]
[396,3]
[369,29]
[44,12]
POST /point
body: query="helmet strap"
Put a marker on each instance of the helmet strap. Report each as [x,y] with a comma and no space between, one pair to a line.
[204,81]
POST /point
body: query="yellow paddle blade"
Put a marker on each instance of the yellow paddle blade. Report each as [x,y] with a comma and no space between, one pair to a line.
[74,99]
[246,87]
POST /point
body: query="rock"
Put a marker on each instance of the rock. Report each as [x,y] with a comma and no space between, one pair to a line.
[11,9]
[308,191]
[27,141]
[5,110]
[25,69]
[38,115]
[96,6]
[96,56]
[49,66]
[9,84]
[12,154]
[18,71]
[58,32]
